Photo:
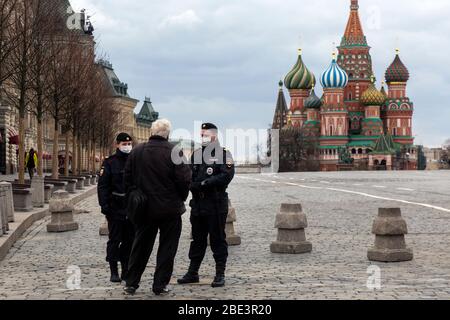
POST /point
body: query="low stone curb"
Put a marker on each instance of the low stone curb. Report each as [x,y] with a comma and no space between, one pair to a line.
[24,220]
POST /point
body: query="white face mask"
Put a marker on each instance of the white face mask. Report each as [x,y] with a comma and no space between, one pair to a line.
[206,140]
[126,149]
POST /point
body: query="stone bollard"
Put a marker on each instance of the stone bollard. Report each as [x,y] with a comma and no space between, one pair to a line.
[1,218]
[37,185]
[9,200]
[93,180]
[80,183]
[390,229]
[104,231]
[48,191]
[23,200]
[291,223]
[4,227]
[232,238]
[61,209]
[87,182]
[3,214]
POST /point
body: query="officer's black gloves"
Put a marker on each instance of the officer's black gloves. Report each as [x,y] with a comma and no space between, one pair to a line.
[200,186]
[205,183]
[195,186]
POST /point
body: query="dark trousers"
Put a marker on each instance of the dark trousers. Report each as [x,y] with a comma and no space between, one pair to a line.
[31,173]
[214,226]
[169,237]
[121,237]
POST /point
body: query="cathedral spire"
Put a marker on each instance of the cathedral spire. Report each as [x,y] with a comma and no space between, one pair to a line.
[354,5]
[281,109]
[354,34]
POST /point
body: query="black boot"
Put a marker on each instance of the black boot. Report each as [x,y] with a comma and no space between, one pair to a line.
[124,273]
[189,277]
[219,280]
[192,275]
[114,272]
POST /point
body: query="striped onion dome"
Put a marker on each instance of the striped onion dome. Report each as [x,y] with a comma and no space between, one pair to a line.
[300,77]
[334,76]
[372,97]
[397,71]
[313,101]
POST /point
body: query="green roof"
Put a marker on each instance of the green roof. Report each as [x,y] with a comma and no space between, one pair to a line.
[330,147]
[333,137]
[147,114]
[383,146]
[360,143]
[354,137]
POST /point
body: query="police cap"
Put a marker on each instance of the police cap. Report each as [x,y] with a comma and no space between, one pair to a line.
[209,126]
[123,137]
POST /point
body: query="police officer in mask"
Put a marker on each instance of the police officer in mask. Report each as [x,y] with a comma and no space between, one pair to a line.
[212,171]
[112,199]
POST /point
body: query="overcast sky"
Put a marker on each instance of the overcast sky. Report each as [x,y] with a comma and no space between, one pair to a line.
[220,61]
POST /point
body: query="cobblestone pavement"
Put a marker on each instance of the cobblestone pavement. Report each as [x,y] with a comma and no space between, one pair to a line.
[340,209]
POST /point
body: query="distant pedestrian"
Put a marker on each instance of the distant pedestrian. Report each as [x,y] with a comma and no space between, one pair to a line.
[165,184]
[111,196]
[31,162]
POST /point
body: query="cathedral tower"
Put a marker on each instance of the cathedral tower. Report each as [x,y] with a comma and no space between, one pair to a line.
[299,82]
[354,57]
[398,109]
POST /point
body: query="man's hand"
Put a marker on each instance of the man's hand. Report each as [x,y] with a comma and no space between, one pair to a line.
[105,210]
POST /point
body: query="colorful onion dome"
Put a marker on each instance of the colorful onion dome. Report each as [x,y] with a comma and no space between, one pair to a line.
[397,71]
[372,97]
[300,77]
[334,76]
[313,101]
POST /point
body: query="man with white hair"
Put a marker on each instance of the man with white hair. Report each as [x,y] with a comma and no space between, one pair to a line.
[165,184]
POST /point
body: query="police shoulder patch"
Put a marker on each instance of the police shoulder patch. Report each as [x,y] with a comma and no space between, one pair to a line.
[102,171]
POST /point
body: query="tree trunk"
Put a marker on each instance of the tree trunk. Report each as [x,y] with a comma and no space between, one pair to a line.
[67,159]
[79,161]
[55,160]
[93,158]
[88,153]
[74,154]
[40,147]
[21,168]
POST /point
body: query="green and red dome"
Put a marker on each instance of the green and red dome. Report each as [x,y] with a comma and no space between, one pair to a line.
[397,71]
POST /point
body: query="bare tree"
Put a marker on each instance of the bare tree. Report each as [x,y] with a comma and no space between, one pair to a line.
[65,48]
[43,27]
[8,40]
[20,61]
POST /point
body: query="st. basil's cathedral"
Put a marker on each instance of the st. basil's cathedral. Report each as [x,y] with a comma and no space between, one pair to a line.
[354,125]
